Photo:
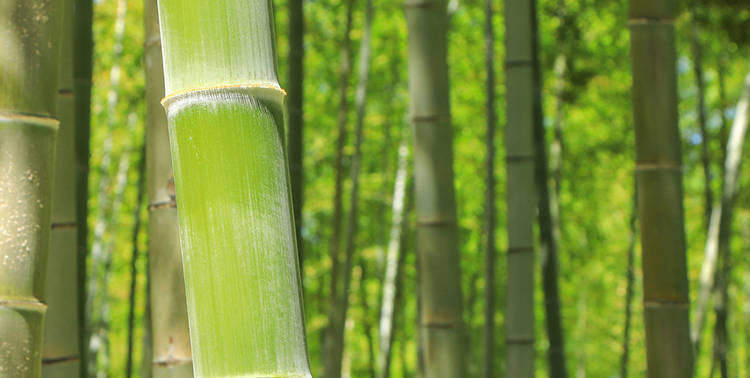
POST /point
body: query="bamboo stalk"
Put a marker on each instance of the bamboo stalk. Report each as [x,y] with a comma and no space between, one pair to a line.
[351,228]
[61,355]
[134,259]
[490,259]
[392,263]
[659,186]
[82,67]
[171,354]
[441,322]
[333,346]
[30,32]
[629,290]
[224,109]
[730,188]
[295,112]
[521,114]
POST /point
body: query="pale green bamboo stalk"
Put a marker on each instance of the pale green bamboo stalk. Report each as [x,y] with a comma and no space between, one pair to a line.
[520,42]
[659,187]
[730,189]
[295,112]
[30,33]
[441,318]
[61,354]
[170,336]
[224,108]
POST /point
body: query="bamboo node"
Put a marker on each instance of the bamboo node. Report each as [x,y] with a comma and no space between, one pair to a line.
[651,21]
[30,305]
[63,225]
[431,118]
[60,360]
[666,304]
[520,340]
[170,98]
[518,63]
[658,166]
[38,119]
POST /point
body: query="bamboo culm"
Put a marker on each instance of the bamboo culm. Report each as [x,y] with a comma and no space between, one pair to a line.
[441,323]
[669,352]
[61,333]
[170,340]
[520,42]
[29,66]
[226,129]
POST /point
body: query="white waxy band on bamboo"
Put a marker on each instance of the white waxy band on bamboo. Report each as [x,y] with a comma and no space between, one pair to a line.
[30,118]
[170,98]
[33,305]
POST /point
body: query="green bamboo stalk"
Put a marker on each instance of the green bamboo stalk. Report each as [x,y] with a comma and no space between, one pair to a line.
[393,263]
[520,66]
[351,228]
[224,109]
[171,355]
[295,112]
[441,318]
[490,259]
[30,32]
[659,186]
[333,345]
[61,351]
[548,216]
[730,189]
[629,290]
[82,68]
[134,258]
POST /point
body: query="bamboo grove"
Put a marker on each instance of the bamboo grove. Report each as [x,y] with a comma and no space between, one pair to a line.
[360,188]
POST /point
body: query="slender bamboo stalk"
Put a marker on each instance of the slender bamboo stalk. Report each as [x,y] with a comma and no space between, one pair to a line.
[730,188]
[490,258]
[30,33]
[659,186]
[134,259]
[697,51]
[333,346]
[388,306]
[61,344]
[521,94]
[351,228]
[548,232]
[295,112]
[224,109]
[170,336]
[629,291]
[91,332]
[82,68]
[441,320]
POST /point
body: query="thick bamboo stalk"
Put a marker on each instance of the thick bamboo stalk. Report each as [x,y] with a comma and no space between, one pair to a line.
[441,320]
[82,68]
[295,112]
[333,347]
[659,186]
[61,333]
[521,95]
[224,108]
[171,356]
[30,33]
[490,259]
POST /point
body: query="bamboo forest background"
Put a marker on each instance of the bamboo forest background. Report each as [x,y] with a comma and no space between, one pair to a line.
[585,61]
